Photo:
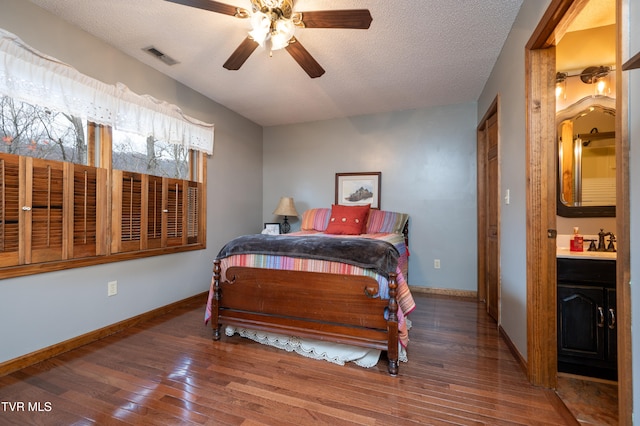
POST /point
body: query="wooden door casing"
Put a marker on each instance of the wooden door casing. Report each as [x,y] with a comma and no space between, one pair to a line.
[493,214]
[489,211]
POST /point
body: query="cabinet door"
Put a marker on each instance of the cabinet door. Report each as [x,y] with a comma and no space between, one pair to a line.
[581,322]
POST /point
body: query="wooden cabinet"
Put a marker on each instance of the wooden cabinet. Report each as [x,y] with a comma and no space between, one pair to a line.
[587,317]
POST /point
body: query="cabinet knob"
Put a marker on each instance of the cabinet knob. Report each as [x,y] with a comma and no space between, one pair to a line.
[26,208]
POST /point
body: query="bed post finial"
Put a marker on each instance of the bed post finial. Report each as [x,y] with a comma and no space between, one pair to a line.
[215,302]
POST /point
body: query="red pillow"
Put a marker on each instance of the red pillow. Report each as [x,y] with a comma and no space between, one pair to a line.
[348,220]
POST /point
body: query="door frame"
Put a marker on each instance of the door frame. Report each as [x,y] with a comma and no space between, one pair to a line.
[541,201]
[482,190]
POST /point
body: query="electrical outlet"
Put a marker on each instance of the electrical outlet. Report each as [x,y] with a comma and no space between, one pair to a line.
[436,263]
[112,288]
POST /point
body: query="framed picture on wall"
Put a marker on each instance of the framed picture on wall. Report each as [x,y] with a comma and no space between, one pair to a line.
[356,189]
[271,229]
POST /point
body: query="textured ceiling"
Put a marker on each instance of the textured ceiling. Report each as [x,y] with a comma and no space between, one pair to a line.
[417,53]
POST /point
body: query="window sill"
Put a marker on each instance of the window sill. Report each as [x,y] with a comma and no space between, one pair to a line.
[39,268]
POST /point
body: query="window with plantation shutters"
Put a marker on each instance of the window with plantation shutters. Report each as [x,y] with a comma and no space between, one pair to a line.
[54,213]
[50,211]
[152,212]
[92,173]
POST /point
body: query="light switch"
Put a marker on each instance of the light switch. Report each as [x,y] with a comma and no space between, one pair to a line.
[507,197]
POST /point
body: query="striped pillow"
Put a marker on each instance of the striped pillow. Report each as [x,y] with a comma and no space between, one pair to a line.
[315,219]
[382,221]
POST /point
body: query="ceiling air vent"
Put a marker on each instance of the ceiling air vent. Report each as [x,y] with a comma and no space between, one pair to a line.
[158,54]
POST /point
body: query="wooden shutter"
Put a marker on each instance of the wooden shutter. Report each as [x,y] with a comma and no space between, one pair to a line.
[9,209]
[89,202]
[193,212]
[154,212]
[126,222]
[47,198]
[174,212]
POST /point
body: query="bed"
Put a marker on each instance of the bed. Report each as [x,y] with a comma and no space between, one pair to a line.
[331,288]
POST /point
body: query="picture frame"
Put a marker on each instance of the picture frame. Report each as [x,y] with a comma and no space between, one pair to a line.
[272,229]
[357,189]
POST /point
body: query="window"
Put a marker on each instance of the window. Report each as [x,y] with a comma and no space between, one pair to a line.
[39,132]
[78,184]
[135,153]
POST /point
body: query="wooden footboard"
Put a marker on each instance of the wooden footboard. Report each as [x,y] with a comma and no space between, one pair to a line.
[330,307]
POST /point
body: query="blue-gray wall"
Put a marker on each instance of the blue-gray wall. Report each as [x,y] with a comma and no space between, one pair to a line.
[428,162]
[41,310]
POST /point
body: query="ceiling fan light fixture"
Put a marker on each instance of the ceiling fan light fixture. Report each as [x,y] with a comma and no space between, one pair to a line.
[280,36]
[260,24]
[272,24]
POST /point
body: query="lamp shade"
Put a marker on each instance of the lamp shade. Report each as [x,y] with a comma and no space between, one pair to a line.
[286,207]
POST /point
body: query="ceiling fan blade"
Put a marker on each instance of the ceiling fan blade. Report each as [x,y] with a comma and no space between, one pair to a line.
[241,54]
[304,58]
[353,18]
[213,6]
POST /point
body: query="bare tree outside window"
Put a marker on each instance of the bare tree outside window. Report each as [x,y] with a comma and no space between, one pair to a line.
[135,153]
[36,131]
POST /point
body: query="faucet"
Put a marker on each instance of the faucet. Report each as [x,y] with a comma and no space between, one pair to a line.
[601,243]
[612,239]
[601,236]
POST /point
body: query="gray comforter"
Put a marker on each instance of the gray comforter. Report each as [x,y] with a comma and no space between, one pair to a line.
[380,256]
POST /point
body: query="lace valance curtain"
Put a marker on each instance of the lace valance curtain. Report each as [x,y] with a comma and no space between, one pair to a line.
[30,76]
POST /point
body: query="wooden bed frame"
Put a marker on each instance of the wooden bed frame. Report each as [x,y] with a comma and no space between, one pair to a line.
[330,307]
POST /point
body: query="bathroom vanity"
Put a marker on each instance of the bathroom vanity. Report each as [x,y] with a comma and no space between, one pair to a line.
[586,317]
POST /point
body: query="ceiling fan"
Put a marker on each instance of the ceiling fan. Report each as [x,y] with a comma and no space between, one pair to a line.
[274,23]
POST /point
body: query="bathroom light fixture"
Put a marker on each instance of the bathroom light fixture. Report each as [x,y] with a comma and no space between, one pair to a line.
[561,84]
[592,75]
[596,75]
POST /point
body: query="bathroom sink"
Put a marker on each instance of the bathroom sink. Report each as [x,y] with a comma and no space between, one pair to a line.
[562,249]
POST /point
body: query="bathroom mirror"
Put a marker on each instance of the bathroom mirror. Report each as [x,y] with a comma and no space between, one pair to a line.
[586,158]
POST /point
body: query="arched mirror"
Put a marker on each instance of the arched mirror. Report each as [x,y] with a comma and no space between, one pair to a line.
[586,158]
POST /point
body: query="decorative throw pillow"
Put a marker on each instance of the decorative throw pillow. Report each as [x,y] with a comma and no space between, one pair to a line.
[348,220]
[385,222]
[315,219]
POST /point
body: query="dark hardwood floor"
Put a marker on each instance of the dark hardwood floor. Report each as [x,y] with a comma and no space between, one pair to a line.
[169,371]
